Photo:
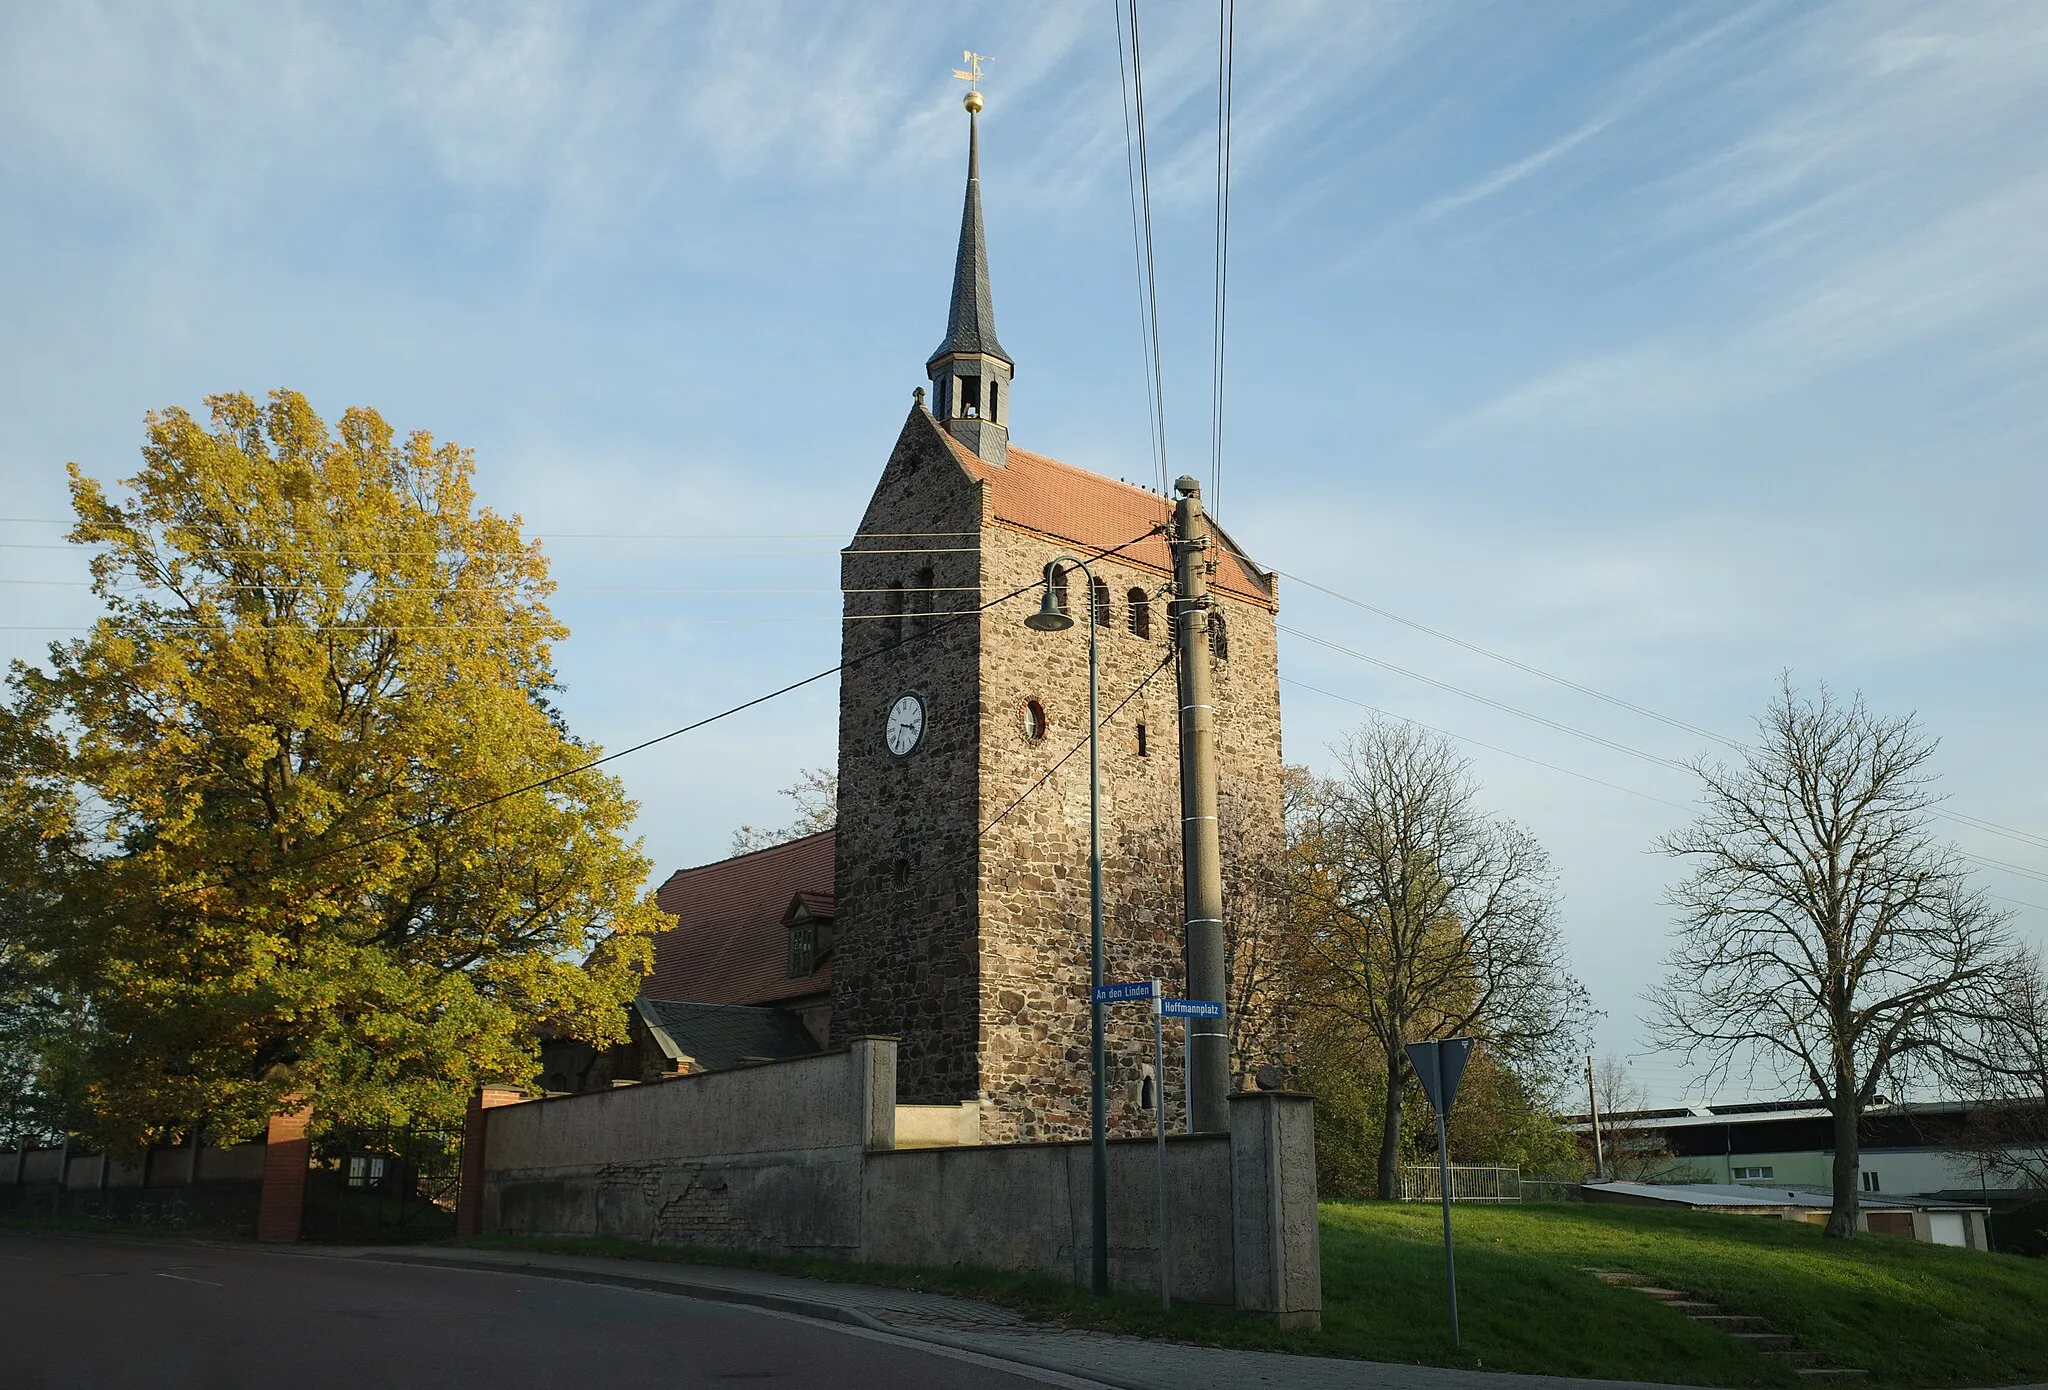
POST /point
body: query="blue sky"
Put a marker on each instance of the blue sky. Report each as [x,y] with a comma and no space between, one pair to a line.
[1658,346]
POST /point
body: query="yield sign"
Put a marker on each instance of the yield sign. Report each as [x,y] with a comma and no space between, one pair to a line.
[1440,1066]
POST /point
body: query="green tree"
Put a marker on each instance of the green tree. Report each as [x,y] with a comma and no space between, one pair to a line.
[270,834]
[1421,917]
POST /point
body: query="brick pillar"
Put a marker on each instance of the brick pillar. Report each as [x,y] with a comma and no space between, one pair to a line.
[469,1201]
[286,1153]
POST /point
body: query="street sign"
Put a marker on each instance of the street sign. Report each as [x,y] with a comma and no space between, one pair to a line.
[1449,1055]
[1440,1066]
[1191,1008]
[1127,990]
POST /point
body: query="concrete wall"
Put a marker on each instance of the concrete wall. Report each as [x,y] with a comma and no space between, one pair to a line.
[800,1157]
[766,1157]
[1027,1207]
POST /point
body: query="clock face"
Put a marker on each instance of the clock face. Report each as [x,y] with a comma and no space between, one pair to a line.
[905,726]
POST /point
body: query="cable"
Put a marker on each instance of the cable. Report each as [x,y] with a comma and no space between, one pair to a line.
[1463,738]
[1443,636]
[1046,776]
[1485,700]
[2023,836]
[443,817]
[1151,279]
[1226,91]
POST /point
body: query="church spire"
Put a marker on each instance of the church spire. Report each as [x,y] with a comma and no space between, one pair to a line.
[970,372]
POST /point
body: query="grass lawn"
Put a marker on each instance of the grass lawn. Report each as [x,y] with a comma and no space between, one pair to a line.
[1909,1313]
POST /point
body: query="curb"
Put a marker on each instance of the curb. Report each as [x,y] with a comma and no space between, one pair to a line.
[780,1303]
[715,1293]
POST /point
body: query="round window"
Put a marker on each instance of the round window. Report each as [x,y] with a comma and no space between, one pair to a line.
[1034,720]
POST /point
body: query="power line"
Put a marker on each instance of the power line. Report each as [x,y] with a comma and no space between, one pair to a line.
[1505,659]
[1148,276]
[1465,738]
[1484,699]
[1226,90]
[1046,776]
[444,817]
[2010,832]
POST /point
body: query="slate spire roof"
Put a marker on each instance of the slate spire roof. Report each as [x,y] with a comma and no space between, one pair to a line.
[971,320]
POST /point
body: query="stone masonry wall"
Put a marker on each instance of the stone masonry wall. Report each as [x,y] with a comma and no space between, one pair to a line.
[1034,869]
[973,949]
[904,949]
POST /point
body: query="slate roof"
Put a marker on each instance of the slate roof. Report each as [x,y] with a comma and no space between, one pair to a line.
[1057,500]
[971,317]
[715,1037]
[728,945]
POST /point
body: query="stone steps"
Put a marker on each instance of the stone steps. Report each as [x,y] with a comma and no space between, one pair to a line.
[1746,1328]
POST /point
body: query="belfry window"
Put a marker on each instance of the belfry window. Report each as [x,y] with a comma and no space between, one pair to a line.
[967,391]
[995,389]
[1140,604]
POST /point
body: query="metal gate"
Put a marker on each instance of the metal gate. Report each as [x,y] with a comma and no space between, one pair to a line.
[384,1187]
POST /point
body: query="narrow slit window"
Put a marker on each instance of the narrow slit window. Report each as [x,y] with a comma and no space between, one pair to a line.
[1144,748]
[1140,605]
[921,600]
[894,610]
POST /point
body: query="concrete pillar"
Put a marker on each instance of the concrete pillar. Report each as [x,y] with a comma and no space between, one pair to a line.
[1278,1259]
[875,1063]
[469,1199]
[286,1153]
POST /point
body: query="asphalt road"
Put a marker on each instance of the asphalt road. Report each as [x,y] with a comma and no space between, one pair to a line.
[91,1314]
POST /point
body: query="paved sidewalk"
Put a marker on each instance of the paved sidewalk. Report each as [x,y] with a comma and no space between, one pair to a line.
[1129,1363]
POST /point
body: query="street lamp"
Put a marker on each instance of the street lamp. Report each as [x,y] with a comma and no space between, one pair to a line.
[1052,616]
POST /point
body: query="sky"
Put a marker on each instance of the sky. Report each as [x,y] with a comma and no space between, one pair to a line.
[1661,348]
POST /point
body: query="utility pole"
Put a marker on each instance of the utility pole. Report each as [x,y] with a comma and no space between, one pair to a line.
[1201,844]
[1593,1104]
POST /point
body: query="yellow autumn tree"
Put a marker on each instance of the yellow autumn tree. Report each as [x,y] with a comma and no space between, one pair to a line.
[277,838]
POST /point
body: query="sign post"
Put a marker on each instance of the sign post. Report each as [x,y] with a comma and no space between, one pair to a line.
[1149,991]
[1440,1066]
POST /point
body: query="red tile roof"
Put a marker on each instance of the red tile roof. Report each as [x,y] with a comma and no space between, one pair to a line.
[728,945]
[1049,498]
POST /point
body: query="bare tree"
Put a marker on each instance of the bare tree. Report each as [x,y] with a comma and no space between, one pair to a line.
[2008,1132]
[1426,918]
[1825,935]
[1634,1153]
[816,794]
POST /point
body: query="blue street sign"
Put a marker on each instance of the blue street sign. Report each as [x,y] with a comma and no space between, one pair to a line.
[1191,1008]
[1118,993]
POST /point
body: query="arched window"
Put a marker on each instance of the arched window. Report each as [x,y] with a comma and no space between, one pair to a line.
[1034,720]
[1219,636]
[1059,587]
[1140,604]
[1101,593]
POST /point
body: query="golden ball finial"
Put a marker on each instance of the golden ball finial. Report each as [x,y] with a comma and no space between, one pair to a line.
[973,102]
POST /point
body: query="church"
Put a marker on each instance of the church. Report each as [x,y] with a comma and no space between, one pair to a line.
[950,908]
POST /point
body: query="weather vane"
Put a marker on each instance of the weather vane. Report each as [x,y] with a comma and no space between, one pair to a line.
[972,77]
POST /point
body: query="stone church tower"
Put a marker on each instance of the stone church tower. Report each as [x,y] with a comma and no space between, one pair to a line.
[962,857]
